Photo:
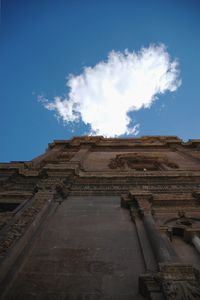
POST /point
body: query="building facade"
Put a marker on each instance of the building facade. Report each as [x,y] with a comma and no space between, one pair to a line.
[95,218]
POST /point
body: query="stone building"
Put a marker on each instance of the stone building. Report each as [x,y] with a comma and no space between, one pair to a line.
[95,218]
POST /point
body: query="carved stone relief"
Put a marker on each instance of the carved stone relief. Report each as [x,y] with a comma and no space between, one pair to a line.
[181,290]
[183,220]
[141,162]
[179,282]
[174,281]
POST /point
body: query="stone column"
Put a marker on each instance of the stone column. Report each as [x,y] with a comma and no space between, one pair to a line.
[196,242]
[148,256]
[158,245]
[174,280]
[161,247]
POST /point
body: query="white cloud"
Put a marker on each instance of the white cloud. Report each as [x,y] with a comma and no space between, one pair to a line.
[103,95]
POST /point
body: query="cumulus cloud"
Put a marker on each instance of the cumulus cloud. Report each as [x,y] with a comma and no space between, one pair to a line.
[103,95]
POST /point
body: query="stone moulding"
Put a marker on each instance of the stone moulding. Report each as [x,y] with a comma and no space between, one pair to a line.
[145,140]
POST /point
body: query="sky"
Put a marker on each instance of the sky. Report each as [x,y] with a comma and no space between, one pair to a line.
[114,68]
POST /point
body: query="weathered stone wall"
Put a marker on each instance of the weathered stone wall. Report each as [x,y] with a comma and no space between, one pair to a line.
[87,249]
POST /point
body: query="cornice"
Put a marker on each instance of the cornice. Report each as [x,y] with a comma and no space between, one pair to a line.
[144,141]
[101,141]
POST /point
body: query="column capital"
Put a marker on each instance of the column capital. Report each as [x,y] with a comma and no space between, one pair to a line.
[143,201]
[140,200]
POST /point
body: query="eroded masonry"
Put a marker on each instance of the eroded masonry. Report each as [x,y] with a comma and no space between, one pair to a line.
[95,218]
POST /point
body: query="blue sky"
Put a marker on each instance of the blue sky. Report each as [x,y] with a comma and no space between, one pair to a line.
[43,41]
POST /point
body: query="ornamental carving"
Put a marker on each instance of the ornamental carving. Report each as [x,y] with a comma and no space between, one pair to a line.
[17,228]
[141,162]
[45,191]
[181,290]
[179,282]
[183,221]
